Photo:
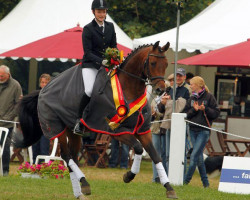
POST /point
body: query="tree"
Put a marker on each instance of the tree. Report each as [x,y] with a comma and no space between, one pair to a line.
[6,6]
[139,18]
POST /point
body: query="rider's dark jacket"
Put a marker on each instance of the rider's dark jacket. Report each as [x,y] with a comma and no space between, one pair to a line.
[211,109]
[95,42]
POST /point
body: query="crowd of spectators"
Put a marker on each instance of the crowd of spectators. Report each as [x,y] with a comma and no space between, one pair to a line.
[191,97]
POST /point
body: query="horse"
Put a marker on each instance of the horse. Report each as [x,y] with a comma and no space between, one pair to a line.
[144,65]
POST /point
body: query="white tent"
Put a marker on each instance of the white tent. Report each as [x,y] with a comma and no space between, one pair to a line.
[223,23]
[31,20]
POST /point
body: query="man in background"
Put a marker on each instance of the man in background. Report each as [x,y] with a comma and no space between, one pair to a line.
[10,94]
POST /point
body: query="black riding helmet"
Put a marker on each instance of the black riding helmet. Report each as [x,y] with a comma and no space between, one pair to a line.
[99,4]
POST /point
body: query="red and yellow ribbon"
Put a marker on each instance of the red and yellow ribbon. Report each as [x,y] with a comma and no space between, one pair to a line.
[119,100]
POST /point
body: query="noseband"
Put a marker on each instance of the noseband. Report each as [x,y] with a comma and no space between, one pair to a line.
[147,78]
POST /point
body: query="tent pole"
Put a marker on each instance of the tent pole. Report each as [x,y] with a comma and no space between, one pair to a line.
[176,51]
[33,68]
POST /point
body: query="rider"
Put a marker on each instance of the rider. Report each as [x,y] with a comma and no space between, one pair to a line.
[96,37]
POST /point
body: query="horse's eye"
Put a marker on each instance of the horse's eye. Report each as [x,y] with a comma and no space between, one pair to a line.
[153,64]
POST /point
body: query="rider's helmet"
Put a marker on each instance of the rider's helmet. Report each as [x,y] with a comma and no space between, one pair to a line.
[99,4]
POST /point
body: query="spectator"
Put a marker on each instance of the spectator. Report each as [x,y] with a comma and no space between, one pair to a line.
[10,94]
[114,158]
[181,96]
[171,80]
[42,146]
[202,109]
[158,137]
[189,76]
[182,88]
[166,125]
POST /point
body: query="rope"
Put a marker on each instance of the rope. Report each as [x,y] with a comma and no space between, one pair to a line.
[218,130]
[13,122]
[213,129]
[159,121]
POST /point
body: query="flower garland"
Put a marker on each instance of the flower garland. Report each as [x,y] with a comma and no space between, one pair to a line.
[52,169]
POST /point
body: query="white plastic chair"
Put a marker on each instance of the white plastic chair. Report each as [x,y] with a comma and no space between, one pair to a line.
[52,156]
[2,130]
[27,152]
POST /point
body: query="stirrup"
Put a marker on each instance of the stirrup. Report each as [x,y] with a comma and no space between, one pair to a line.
[79,128]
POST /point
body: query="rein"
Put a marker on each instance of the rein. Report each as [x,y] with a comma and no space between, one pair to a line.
[146,78]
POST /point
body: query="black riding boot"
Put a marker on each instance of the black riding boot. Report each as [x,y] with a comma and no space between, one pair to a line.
[79,127]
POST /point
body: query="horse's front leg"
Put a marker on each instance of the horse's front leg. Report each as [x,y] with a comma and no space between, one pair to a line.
[76,174]
[131,141]
[146,141]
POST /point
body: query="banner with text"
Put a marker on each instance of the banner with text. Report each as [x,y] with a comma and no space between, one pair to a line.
[235,175]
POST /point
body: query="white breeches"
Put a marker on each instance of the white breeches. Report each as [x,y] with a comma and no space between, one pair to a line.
[88,76]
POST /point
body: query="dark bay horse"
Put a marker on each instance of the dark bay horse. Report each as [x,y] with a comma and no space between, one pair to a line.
[145,65]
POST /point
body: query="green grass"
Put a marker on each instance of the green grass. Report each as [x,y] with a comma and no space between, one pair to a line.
[107,184]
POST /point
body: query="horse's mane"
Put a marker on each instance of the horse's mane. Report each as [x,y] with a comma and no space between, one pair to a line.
[133,52]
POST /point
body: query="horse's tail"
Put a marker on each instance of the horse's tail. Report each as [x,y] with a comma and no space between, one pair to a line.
[29,121]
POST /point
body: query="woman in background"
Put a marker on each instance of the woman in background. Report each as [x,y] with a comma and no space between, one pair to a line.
[42,146]
[202,109]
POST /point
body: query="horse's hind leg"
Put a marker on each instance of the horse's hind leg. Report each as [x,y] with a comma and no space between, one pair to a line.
[146,141]
[75,173]
[74,146]
[131,141]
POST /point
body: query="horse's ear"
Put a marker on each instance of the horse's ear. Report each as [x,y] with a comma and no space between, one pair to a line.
[156,45]
[165,48]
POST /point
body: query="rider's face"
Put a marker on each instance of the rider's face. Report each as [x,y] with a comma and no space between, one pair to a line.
[100,15]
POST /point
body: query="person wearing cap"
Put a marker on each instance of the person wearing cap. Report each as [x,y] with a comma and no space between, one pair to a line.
[182,88]
[165,106]
[96,37]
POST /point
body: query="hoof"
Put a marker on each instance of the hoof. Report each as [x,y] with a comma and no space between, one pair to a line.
[85,187]
[86,190]
[171,194]
[128,177]
[82,197]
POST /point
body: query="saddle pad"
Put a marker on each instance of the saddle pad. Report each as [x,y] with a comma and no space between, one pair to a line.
[102,108]
[59,101]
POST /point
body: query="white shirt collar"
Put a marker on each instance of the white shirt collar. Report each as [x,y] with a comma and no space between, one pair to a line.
[100,25]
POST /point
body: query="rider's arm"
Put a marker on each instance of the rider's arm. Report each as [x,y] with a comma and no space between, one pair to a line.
[87,46]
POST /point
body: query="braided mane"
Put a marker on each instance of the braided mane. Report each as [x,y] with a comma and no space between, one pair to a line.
[133,52]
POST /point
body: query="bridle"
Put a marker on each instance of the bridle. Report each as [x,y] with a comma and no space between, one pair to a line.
[146,78]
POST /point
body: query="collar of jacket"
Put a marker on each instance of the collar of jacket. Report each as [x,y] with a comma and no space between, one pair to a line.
[103,25]
[199,94]
[95,23]
[6,83]
[181,84]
